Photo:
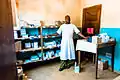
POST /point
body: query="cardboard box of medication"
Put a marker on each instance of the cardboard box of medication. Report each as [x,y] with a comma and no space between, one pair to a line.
[102,64]
[18,46]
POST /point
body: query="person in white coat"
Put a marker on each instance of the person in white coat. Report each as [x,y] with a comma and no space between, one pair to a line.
[67,54]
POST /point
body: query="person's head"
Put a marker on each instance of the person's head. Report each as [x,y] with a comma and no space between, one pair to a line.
[42,23]
[67,19]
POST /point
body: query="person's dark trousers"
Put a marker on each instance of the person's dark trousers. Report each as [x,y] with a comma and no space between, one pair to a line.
[63,65]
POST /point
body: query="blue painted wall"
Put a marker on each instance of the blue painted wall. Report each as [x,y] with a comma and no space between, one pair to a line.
[115,33]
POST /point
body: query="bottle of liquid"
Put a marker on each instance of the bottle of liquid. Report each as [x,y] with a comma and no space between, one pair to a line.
[75,64]
[76,68]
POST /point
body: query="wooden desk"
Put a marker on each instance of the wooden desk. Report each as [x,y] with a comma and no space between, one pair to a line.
[83,45]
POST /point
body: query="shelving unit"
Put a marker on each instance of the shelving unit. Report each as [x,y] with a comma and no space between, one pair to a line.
[106,58]
[35,48]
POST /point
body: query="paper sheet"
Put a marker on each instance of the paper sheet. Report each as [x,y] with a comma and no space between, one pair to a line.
[83,45]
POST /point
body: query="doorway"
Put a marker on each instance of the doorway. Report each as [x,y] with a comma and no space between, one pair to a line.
[91,20]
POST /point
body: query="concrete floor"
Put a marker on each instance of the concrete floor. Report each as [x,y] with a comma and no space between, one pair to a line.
[50,72]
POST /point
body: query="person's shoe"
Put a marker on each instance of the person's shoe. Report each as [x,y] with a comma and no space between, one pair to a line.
[62,66]
[61,69]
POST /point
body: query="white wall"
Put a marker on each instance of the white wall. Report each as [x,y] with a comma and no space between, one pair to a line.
[110,16]
[50,10]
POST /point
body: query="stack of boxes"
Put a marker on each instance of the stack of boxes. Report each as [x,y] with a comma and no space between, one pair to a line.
[18,46]
[101,38]
[102,64]
[96,39]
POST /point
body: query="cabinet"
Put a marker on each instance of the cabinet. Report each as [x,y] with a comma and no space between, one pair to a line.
[31,47]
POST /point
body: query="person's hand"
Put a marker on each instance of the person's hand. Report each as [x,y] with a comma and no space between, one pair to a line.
[87,37]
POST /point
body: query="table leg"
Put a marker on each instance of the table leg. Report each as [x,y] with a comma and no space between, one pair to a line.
[94,58]
[112,59]
[79,60]
[96,64]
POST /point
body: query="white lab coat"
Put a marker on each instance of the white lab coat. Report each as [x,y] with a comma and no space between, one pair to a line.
[67,45]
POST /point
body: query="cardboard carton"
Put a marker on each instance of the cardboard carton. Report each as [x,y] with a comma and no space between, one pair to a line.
[18,46]
[102,64]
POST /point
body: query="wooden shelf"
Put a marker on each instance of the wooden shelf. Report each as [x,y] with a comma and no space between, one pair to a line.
[36,38]
[27,38]
[30,49]
[33,62]
[32,27]
[51,47]
[40,60]
[34,49]
[50,27]
[52,37]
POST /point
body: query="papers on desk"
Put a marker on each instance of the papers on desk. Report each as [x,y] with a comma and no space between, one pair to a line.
[83,45]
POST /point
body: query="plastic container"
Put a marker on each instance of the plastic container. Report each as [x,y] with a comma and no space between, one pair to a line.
[76,68]
[94,39]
